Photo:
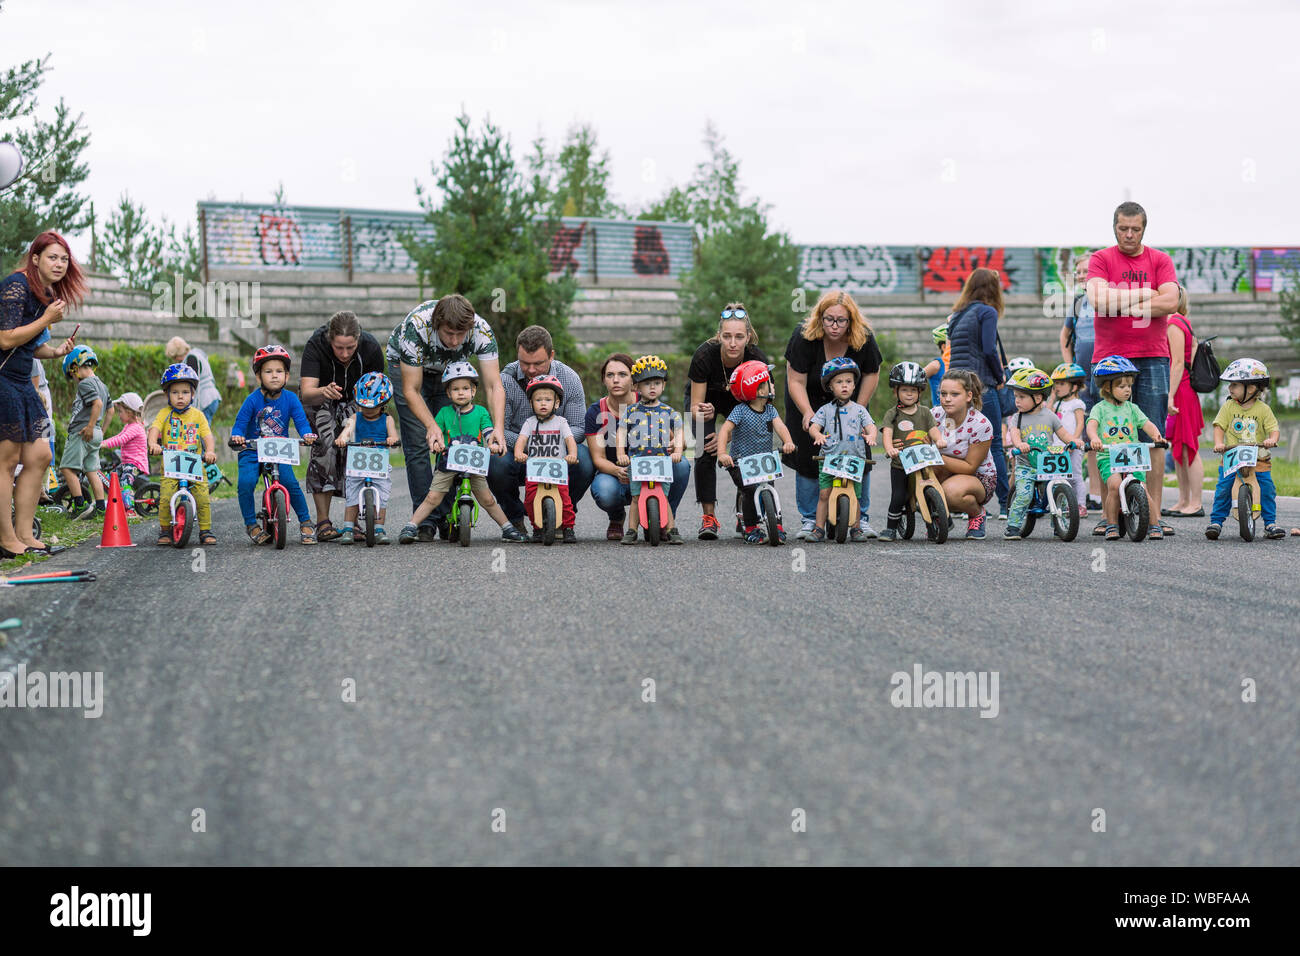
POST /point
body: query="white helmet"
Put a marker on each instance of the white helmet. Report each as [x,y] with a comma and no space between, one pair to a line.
[1016,364]
[1245,370]
[459,370]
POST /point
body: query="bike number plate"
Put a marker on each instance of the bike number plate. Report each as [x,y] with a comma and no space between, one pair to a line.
[916,457]
[182,465]
[759,469]
[1242,456]
[1053,466]
[367,462]
[281,451]
[845,466]
[550,471]
[472,459]
[1130,457]
[651,468]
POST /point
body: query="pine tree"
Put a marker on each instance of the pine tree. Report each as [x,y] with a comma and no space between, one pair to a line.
[131,247]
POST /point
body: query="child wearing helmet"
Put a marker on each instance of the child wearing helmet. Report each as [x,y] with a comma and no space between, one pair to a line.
[134,460]
[748,431]
[462,423]
[1030,431]
[85,432]
[649,427]
[936,368]
[1244,419]
[266,413]
[1115,419]
[181,426]
[908,415]
[371,423]
[841,426]
[546,434]
[1068,380]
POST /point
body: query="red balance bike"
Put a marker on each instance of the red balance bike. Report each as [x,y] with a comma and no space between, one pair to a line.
[271,453]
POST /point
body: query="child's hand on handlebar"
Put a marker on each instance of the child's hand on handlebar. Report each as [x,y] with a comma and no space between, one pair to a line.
[155,449]
[520,457]
[1023,447]
[726,461]
[819,440]
[571,459]
[209,457]
[340,442]
[1270,443]
[676,457]
[1220,448]
[309,439]
[941,442]
[623,461]
[393,442]
[1095,444]
[892,452]
[788,448]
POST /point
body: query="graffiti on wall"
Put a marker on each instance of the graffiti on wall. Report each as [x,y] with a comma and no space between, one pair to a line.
[377,246]
[853,268]
[1213,270]
[649,257]
[564,243]
[1274,268]
[1058,267]
[946,268]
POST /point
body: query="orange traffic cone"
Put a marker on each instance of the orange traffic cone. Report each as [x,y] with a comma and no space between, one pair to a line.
[116,532]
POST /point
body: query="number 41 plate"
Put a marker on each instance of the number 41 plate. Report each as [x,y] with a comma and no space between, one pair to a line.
[367,462]
[1130,457]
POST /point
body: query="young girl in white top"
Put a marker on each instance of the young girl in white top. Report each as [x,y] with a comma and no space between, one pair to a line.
[1067,382]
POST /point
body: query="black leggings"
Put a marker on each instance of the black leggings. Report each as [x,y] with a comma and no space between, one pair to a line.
[748,494]
[706,469]
[898,494]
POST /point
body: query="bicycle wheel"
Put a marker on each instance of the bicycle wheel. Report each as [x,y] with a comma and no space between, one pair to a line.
[1031,519]
[146,500]
[370,504]
[1139,512]
[652,521]
[464,520]
[548,521]
[277,517]
[183,524]
[1066,525]
[1246,512]
[937,529]
[908,527]
[767,508]
[842,511]
[36,527]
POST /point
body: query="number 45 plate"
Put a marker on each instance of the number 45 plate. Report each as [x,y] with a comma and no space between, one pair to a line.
[845,466]
[367,463]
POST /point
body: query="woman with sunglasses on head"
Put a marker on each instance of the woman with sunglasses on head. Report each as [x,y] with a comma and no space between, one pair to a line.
[708,397]
[834,328]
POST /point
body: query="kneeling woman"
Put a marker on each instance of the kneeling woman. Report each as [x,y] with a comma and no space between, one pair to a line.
[968,475]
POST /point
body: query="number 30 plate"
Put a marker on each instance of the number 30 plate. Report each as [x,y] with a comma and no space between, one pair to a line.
[652,468]
[760,468]
[551,471]
[367,462]
[467,458]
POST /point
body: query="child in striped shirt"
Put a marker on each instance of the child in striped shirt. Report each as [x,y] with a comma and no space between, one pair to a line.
[134,456]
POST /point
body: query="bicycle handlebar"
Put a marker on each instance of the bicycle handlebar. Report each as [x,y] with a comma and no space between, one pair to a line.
[371,444]
[1069,446]
[252,444]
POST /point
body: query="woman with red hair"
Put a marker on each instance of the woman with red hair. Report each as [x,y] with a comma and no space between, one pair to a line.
[31,300]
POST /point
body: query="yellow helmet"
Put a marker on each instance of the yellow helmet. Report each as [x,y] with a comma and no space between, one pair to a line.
[649,366]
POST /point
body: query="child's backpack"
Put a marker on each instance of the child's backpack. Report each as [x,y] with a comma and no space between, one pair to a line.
[1203,372]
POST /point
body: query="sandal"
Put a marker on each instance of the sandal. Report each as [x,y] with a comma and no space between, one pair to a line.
[325,531]
[1112,532]
[164,538]
[1102,527]
[257,534]
[207,538]
[307,533]
[1156,533]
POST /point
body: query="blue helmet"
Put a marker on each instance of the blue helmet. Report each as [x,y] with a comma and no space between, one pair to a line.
[81,355]
[1113,365]
[374,390]
[180,372]
[836,366]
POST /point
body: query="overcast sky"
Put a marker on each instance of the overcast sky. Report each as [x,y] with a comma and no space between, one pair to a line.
[915,122]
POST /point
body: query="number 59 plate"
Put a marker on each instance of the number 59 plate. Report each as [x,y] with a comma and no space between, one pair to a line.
[1053,466]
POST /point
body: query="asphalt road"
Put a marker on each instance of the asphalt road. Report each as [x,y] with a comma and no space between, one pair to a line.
[506,682]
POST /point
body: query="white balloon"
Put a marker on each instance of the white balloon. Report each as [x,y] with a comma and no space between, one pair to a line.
[11,164]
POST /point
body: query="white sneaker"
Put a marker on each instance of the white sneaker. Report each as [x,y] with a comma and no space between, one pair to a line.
[806,531]
[865,528]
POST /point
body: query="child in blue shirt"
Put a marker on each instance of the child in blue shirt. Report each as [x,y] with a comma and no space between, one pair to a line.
[371,424]
[267,412]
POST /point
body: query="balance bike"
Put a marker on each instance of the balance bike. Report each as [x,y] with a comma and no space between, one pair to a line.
[1053,493]
[184,466]
[468,460]
[368,465]
[842,508]
[925,494]
[652,472]
[272,452]
[1134,516]
[763,470]
[548,506]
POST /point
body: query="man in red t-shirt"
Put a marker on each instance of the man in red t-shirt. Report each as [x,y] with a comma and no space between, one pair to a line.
[1133,288]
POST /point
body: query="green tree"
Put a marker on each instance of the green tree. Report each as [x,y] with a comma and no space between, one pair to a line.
[131,247]
[46,195]
[1289,306]
[487,244]
[574,182]
[712,199]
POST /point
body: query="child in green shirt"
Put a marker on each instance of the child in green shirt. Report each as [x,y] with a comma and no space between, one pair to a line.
[1115,420]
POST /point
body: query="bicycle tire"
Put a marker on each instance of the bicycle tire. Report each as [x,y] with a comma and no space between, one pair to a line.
[1246,512]
[1139,512]
[652,521]
[767,507]
[548,521]
[1066,526]
[278,518]
[937,529]
[146,499]
[183,525]
[908,526]
[842,511]
[370,503]
[464,521]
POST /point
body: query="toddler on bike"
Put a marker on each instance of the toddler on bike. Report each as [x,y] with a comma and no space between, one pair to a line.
[134,457]
[181,426]
[840,427]
[371,395]
[1068,380]
[547,435]
[748,431]
[266,413]
[1117,420]
[908,415]
[1030,431]
[649,427]
[1244,419]
[81,449]
[462,423]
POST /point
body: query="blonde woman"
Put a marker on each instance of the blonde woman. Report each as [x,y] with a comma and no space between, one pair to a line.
[834,328]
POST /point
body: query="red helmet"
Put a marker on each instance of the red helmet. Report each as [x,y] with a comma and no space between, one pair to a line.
[546,381]
[747,380]
[271,352]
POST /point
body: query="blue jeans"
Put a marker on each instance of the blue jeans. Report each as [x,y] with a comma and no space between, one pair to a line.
[807,491]
[1151,391]
[613,497]
[211,410]
[993,412]
[1223,502]
[248,475]
[505,476]
[419,463]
